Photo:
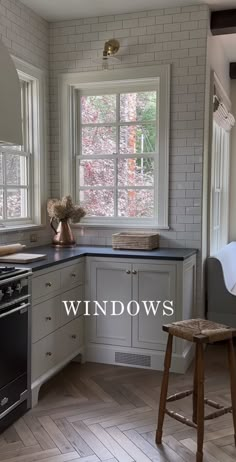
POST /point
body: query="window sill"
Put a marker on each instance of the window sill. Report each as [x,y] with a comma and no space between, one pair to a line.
[15,228]
[119,226]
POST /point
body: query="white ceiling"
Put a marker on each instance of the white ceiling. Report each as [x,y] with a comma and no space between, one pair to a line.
[57,10]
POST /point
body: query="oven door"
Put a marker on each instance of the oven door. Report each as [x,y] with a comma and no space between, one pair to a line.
[13,345]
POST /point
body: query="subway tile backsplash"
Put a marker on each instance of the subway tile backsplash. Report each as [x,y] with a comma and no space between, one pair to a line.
[175,35]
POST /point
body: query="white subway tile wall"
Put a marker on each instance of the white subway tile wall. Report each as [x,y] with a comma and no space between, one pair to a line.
[177,36]
[26,36]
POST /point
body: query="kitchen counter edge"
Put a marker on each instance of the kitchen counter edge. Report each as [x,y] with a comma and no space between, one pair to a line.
[58,256]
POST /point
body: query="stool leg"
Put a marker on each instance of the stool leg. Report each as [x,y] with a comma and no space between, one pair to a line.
[232,369]
[195,393]
[164,389]
[200,401]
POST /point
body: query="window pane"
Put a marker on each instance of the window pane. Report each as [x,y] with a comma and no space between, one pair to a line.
[98,203]
[136,203]
[96,172]
[16,171]
[137,139]
[98,140]
[138,106]
[1,203]
[136,172]
[16,203]
[98,109]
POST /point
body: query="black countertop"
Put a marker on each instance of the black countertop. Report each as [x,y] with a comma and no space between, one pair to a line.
[56,256]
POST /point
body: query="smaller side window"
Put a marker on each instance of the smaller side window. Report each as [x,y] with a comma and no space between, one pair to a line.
[15,169]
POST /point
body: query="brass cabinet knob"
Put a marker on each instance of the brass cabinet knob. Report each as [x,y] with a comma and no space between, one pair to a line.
[48,353]
[48,318]
[134,272]
[127,271]
[48,284]
[73,275]
[74,336]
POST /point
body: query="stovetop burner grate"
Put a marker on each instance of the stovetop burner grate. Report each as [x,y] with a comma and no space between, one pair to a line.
[7,272]
[7,269]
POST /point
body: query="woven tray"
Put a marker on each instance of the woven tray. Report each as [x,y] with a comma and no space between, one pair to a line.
[135,241]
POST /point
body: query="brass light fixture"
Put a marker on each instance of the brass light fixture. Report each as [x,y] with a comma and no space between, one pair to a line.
[111,47]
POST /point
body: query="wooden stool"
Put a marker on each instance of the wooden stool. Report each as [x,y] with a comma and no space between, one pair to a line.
[201,332]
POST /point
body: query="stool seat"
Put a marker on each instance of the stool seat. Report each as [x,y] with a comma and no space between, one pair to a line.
[200,330]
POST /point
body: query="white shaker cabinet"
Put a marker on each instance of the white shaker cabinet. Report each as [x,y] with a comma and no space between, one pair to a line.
[56,337]
[138,340]
[131,339]
[152,282]
[110,282]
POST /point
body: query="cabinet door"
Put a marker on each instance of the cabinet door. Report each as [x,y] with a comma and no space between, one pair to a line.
[152,283]
[110,282]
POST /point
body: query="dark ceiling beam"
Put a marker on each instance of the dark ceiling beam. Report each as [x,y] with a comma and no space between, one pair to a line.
[232,70]
[223,22]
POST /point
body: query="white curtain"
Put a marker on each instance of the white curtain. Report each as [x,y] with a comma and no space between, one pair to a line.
[222,116]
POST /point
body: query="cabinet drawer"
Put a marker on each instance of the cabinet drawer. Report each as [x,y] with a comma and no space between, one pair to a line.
[51,350]
[45,284]
[45,318]
[72,295]
[72,275]
[44,355]
[71,337]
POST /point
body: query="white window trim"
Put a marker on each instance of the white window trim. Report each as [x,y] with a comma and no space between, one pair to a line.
[219,235]
[39,185]
[71,81]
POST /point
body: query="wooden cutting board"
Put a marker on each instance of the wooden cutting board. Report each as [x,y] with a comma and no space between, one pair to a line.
[22,258]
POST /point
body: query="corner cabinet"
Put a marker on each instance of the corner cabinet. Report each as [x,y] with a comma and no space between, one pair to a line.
[116,328]
[136,338]
[56,337]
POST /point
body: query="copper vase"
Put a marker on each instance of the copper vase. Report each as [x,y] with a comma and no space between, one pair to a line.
[63,234]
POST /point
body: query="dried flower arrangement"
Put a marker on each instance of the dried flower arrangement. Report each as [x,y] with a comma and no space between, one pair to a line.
[64,209]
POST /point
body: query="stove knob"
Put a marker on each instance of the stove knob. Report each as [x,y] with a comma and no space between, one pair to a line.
[4,401]
[9,291]
[19,288]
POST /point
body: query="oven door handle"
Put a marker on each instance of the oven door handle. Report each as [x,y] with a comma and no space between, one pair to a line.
[25,275]
[19,308]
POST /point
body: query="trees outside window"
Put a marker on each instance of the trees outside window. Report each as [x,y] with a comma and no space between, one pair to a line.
[118,153]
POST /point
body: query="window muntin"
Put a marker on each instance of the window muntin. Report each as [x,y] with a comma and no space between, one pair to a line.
[116,174]
[15,168]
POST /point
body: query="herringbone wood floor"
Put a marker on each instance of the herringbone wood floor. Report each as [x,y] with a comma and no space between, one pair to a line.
[98,412]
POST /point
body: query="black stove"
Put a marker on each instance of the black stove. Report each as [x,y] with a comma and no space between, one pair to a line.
[15,302]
